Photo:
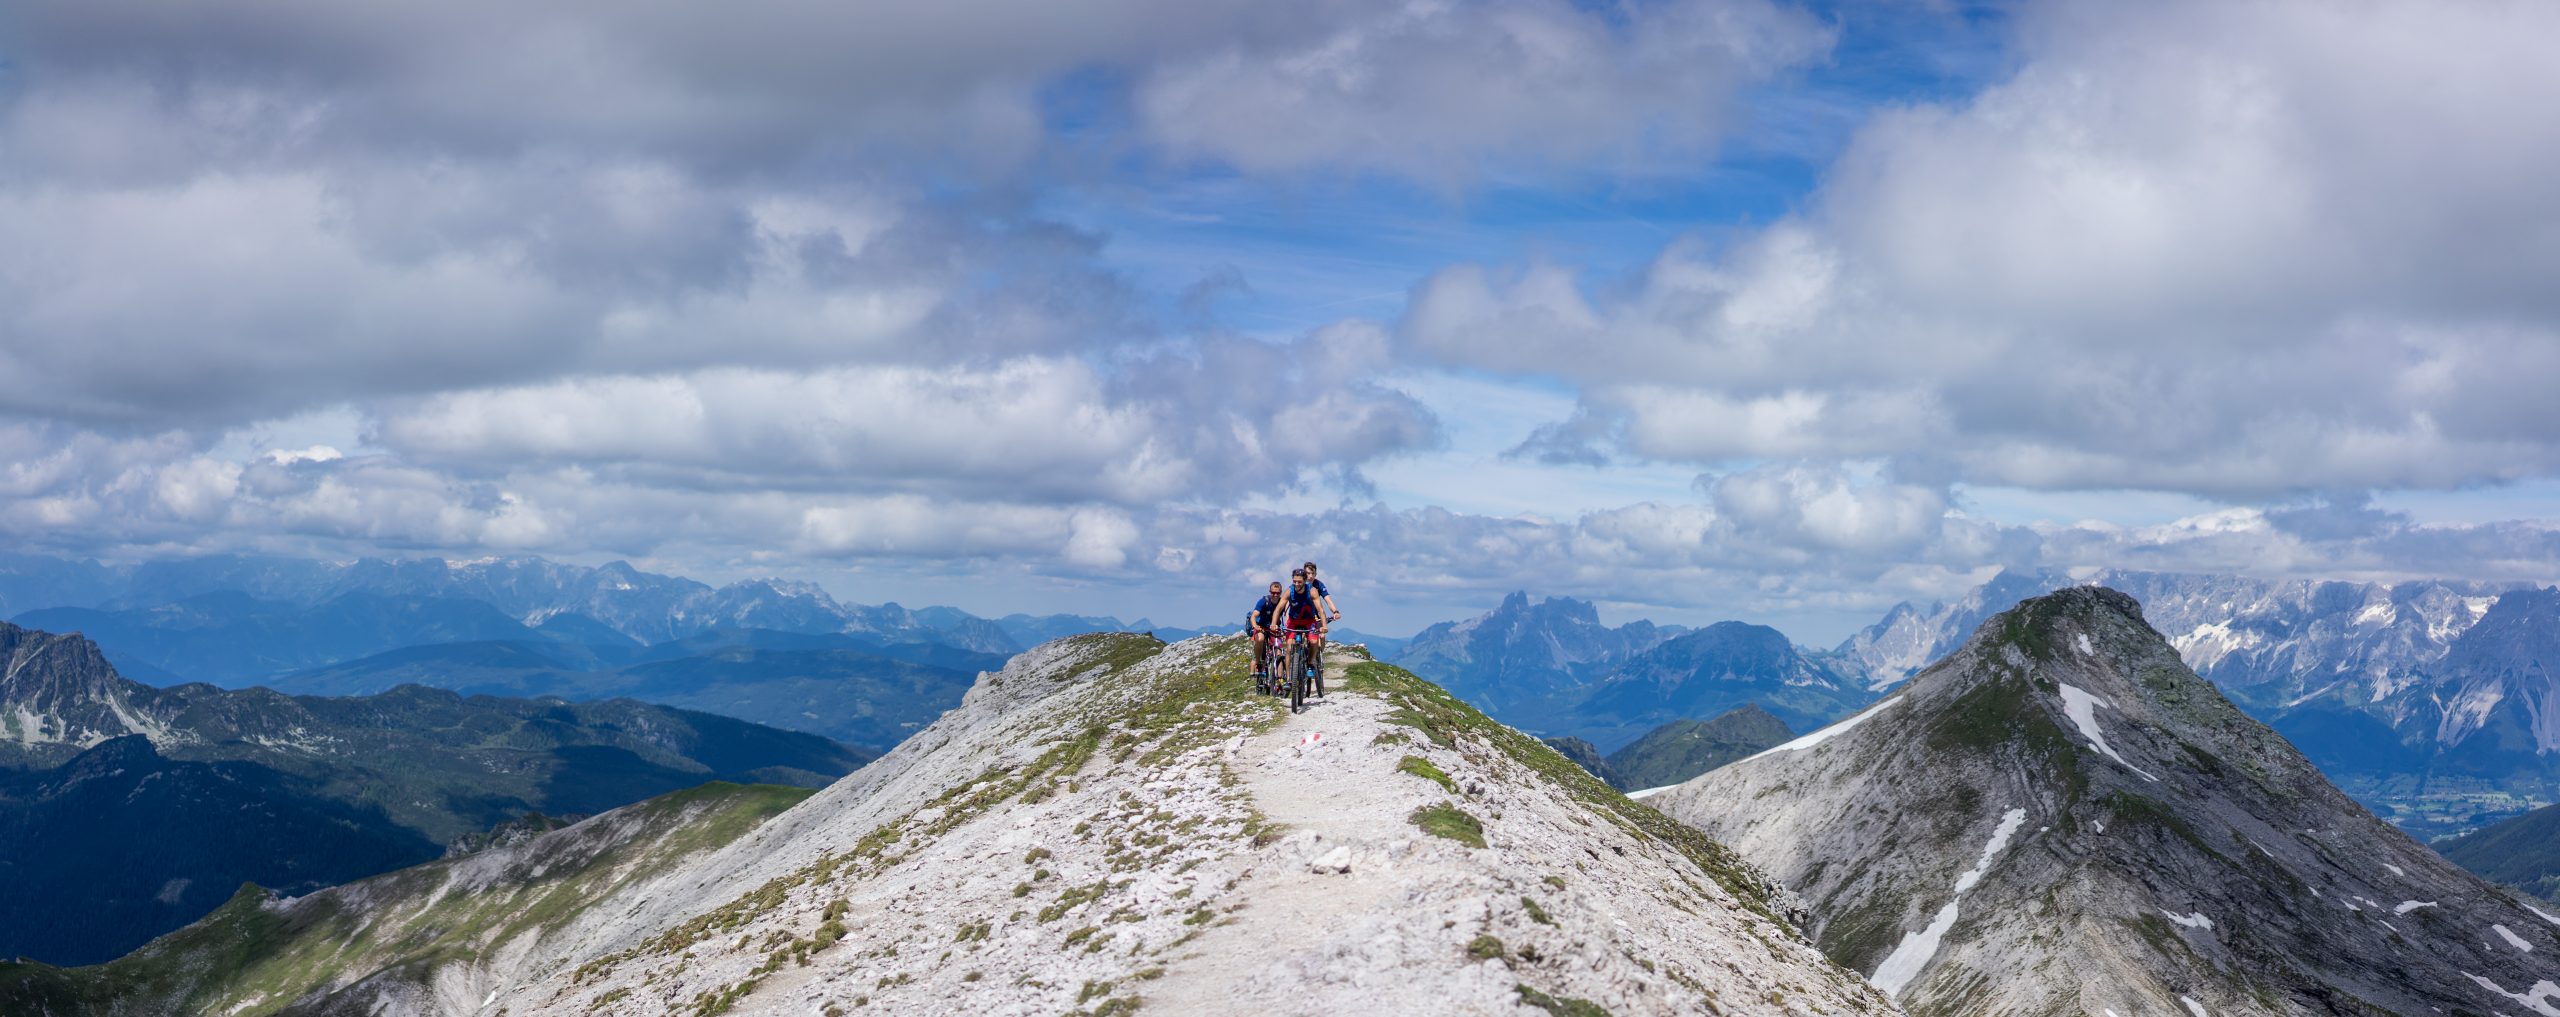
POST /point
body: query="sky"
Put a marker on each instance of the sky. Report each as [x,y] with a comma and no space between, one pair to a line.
[1698,309]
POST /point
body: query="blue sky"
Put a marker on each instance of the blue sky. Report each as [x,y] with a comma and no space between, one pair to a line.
[1701,309]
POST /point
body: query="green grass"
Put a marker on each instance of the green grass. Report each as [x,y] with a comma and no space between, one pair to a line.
[1420,767]
[1450,821]
[1443,719]
[1487,947]
[1560,1007]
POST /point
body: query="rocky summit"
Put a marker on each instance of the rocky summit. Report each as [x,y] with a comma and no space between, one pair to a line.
[1108,823]
[2061,818]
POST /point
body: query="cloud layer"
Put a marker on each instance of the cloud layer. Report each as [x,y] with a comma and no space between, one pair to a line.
[770,287]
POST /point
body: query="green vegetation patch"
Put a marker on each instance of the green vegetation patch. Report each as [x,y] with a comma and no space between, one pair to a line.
[1450,821]
[1561,1007]
[1420,767]
[1487,947]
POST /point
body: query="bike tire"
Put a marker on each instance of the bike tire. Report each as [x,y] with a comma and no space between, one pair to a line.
[1315,668]
[1297,677]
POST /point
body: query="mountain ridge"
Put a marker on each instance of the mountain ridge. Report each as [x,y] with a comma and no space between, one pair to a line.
[1107,823]
[2143,845]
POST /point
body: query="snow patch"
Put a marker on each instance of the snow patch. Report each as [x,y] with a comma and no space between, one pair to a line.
[1913,953]
[2193,1007]
[2545,915]
[2538,999]
[2512,939]
[2083,709]
[2193,921]
[2395,870]
[2407,906]
[1828,733]
[1651,791]
[2084,645]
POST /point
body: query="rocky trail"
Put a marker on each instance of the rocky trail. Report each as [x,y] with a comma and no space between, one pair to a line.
[1356,909]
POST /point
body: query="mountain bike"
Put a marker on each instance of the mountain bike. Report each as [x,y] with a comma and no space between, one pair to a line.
[1306,667]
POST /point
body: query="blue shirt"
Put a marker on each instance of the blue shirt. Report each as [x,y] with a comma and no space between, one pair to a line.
[1319,585]
[1302,604]
[1262,608]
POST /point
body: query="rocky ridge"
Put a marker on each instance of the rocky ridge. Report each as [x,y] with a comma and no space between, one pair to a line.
[1107,823]
[2061,818]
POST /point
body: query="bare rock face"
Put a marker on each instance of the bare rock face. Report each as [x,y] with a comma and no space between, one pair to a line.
[2061,818]
[1109,823]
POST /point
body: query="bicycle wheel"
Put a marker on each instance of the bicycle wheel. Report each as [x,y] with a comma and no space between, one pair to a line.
[1297,676]
[1315,668]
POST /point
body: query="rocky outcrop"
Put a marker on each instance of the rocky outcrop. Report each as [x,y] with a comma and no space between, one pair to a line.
[2061,818]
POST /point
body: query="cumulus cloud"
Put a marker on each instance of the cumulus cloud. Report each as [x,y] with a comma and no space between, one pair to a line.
[2189,247]
[1231,418]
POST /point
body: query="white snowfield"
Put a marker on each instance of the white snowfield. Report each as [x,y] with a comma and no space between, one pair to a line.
[2083,710]
[1912,955]
[2192,921]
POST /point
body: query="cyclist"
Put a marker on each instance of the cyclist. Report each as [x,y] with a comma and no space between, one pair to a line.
[1332,613]
[1300,610]
[1261,636]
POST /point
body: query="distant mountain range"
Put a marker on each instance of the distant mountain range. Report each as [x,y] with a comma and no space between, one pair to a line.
[2060,817]
[1552,669]
[2386,687]
[128,810]
[2437,704]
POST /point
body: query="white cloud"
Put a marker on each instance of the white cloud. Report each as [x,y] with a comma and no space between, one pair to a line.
[1236,420]
[2191,247]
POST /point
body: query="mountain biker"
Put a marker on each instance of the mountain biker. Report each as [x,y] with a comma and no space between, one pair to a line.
[1261,636]
[1332,613]
[1299,610]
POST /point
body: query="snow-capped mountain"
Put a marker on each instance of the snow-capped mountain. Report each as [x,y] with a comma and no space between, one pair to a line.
[2060,817]
[2267,643]
[1109,823]
[2404,694]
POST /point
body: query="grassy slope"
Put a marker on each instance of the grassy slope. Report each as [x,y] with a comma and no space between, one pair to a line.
[2523,852]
